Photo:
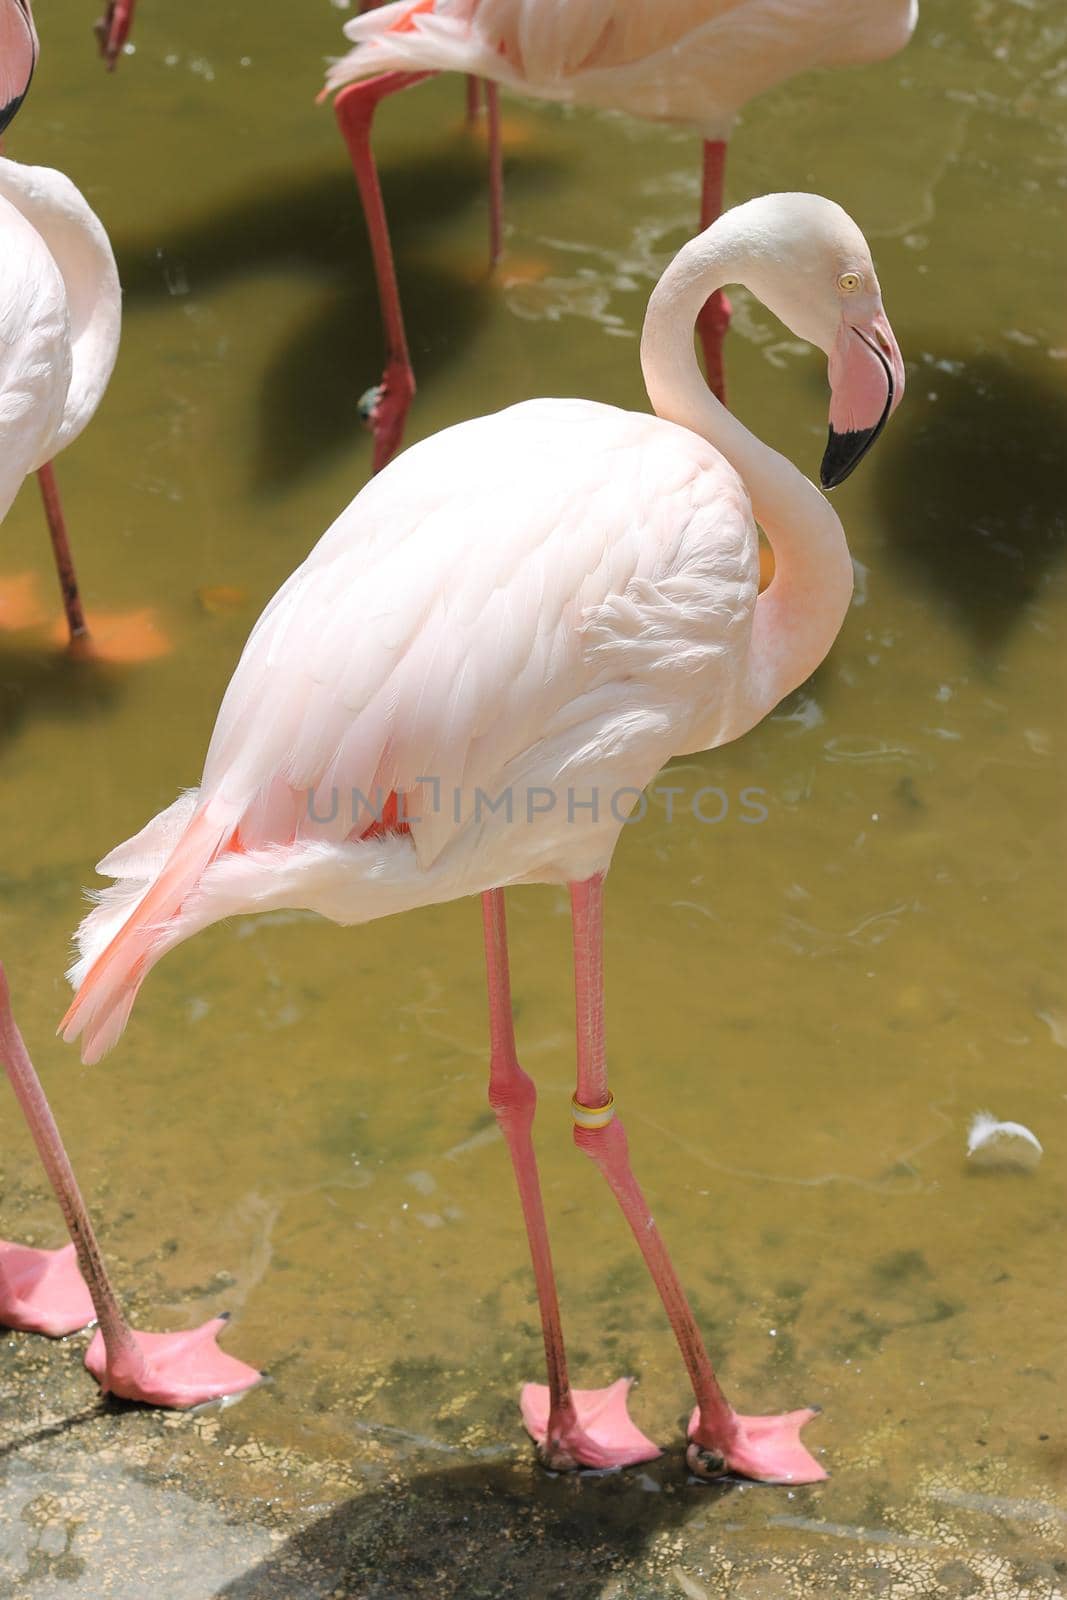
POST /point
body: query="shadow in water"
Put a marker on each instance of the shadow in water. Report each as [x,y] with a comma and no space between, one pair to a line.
[310,226]
[488,1530]
[970,486]
[38,681]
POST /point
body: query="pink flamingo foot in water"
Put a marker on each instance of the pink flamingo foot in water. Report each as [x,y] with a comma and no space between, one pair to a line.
[598,1434]
[385,407]
[170,1369]
[765,1448]
[42,1291]
[163,1369]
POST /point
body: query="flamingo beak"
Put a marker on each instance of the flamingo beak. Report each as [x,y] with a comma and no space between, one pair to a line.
[18,57]
[866,385]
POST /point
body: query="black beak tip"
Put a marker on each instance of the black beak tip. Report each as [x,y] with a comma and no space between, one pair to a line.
[844,452]
[7,113]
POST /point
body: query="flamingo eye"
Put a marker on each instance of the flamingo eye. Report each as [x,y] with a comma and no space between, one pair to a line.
[849,282]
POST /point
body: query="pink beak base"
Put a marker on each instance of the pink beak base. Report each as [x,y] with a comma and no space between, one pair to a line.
[866,373]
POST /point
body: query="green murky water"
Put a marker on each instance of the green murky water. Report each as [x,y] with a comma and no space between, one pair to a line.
[804,1013]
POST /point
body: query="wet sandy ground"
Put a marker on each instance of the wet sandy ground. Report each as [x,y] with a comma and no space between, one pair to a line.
[102,1500]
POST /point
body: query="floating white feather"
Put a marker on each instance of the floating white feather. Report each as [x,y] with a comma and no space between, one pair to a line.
[1002,1144]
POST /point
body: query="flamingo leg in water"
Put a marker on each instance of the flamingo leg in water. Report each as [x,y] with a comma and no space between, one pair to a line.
[474,99]
[112,30]
[57,529]
[714,319]
[355,107]
[720,1440]
[163,1369]
[496,175]
[572,1428]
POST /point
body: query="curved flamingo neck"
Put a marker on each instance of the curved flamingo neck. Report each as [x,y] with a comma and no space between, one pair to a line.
[799,615]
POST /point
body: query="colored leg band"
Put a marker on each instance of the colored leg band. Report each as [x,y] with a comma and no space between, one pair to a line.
[593,1116]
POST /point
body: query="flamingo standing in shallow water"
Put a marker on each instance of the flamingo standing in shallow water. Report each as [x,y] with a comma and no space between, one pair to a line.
[60,316]
[493,650]
[695,62]
[61,310]
[59,335]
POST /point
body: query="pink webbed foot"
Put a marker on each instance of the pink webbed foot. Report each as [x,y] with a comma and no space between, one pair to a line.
[171,1369]
[42,1291]
[765,1448]
[601,1433]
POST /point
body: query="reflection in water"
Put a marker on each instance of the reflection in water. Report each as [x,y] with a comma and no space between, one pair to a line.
[48,682]
[970,487]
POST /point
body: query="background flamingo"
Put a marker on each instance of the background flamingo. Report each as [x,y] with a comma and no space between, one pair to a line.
[489,656]
[61,310]
[59,334]
[696,62]
[22,190]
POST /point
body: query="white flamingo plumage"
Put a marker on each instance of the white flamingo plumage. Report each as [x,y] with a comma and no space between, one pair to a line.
[545,604]
[60,306]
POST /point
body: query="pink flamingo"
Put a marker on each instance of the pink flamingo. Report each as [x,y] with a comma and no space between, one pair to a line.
[59,334]
[492,651]
[696,62]
[61,306]
[41,198]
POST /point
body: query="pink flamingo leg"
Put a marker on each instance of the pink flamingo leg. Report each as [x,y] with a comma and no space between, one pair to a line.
[572,1428]
[355,107]
[113,29]
[496,175]
[720,1440]
[163,1369]
[474,99]
[714,319]
[68,581]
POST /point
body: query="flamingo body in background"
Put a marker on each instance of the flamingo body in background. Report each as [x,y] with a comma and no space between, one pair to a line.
[61,312]
[19,49]
[59,336]
[693,62]
[60,318]
[492,651]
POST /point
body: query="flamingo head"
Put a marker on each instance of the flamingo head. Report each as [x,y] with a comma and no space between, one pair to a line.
[810,264]
[18,56]
[866,372]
